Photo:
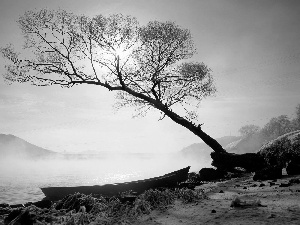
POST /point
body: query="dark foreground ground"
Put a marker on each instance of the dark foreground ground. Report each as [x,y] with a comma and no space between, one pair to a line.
[237,201]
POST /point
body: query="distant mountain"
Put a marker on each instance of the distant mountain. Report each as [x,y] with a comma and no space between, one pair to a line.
[104,154]
[199,148]
[15,147]
[201,152]
[248,144]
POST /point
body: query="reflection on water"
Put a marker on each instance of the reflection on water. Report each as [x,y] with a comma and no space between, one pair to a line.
[20,181]
[24,187]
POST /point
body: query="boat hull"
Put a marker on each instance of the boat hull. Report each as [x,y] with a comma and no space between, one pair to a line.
[108,190]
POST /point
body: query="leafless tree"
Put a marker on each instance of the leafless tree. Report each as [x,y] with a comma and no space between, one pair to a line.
[146,65]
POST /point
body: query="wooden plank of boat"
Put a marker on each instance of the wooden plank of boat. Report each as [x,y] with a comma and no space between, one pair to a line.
[108,190]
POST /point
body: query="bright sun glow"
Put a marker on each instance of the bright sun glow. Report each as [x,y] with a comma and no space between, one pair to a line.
[119,52]
[122,53]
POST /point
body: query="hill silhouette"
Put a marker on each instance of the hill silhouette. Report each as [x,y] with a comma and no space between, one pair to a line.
[247,144]
[15,147]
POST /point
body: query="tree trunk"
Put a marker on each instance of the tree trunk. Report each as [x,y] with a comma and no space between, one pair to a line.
[196,129]
[249,161]
[221,159]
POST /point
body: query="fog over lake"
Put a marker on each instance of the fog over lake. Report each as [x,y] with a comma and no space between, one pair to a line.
[20,180]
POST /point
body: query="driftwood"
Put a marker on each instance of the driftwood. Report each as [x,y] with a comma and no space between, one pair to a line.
[251,162]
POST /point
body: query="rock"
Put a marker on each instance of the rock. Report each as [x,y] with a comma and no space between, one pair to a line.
[213,211]
[272,184]
[294,181]
[4,205]
[284,185]
[293,167]
[17,206]
[268,173]
[4,210]
[237,202]
[43,204]
[272,215]
[209,174]
[193,177]
[282,150]
[221,191]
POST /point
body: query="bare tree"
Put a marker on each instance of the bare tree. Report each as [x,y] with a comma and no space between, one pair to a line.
[146,65]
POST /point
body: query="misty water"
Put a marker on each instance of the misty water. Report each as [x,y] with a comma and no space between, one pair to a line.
[21,180]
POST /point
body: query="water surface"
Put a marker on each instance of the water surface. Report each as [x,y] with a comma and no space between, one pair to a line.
[20,181]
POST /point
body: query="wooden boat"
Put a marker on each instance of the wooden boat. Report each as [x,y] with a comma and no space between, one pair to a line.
[108,190]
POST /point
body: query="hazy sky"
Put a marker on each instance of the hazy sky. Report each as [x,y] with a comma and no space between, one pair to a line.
[253,48]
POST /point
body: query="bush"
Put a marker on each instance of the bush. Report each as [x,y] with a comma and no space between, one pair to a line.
[282,150]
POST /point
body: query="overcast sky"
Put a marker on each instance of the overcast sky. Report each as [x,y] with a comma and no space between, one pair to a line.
[252,47]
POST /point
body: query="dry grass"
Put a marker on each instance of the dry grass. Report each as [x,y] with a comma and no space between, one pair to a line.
[80,209]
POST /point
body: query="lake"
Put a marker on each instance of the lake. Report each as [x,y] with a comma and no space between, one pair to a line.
[20,181]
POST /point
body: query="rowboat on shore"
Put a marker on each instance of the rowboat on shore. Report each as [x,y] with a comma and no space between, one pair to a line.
[108,190]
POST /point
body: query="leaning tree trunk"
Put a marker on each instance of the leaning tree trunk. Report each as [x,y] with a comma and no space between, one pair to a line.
[221,159]
[196,129]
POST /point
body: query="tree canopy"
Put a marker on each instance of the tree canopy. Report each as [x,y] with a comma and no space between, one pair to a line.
[249,130]
[296,120]
[145,64]
[276,127]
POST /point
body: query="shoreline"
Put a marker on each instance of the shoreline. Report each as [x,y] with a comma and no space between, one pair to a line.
[259,202]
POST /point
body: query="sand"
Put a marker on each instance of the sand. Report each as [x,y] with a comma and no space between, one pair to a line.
[278,205]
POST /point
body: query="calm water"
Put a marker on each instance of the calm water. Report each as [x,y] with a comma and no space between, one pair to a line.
[23,187]
[20,181]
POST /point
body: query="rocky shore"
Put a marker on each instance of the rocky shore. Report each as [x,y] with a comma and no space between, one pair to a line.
[237,201]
